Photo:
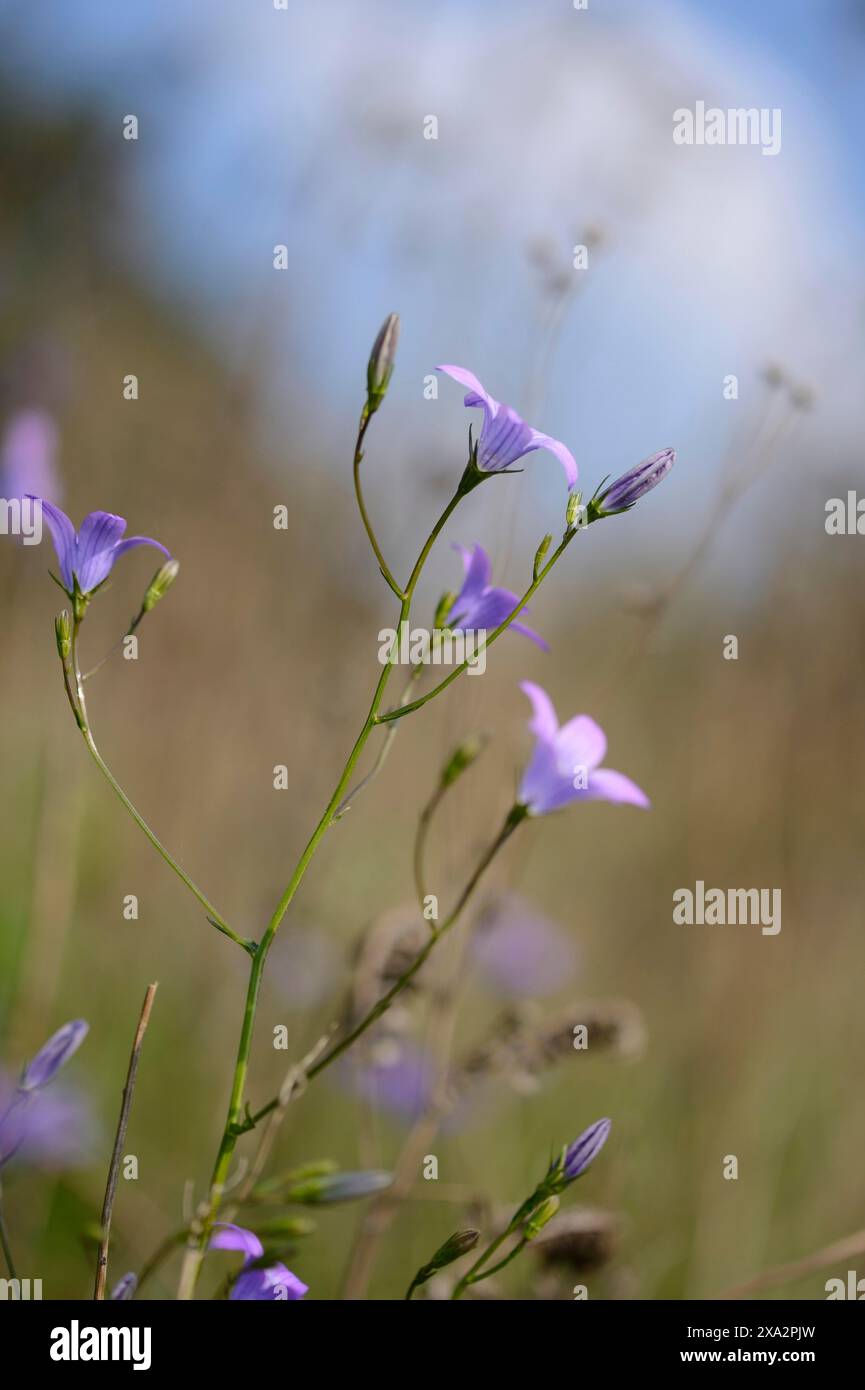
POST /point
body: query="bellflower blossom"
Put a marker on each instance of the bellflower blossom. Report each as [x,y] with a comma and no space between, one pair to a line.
[89,555]
[480,606]
[505,437]
[253,1284]
[53,1132]
[565,765]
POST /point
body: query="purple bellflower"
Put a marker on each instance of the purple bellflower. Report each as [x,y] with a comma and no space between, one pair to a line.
[53,1055]
[87,557]
[585,1149]
[50,1130]
[480,606]
[566,763]
[621,495]
[256,1284]
[505,437]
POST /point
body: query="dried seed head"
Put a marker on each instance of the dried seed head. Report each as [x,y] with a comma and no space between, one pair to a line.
[581,1238]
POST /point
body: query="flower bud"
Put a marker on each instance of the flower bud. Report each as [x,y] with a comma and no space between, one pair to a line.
[160,584]
[457,1245]
[462,758]
[585,1149]
[63,633]
[124,1289]
[53,1055]
[540,555]
[540,1216]
[621,495]
[572,512]
[381,362]
[337,1187]
[445,604]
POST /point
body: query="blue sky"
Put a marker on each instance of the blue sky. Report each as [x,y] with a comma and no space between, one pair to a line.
[303,127]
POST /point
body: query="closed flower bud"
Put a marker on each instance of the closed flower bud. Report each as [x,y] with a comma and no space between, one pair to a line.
[338,1187]
[540,1216]
[573,510]
[124,1289]
[53,1055]
[445,604]
[160,584]
[381,362]
[462,758]
[540,555]
[621,495]
[63,633]
[457,1245]
[585,1149]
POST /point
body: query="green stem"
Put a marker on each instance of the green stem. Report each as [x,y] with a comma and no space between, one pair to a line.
[512,1254]
[75,695]
[196,1246]
[423,825]
[4,1242]
[515,816]
[352,795]
[469,1277]
[364,515]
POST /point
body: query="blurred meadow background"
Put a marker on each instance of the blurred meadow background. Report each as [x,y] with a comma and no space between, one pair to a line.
[305,127]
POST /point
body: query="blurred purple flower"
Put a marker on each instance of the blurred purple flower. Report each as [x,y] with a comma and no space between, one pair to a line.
[621,495]
[586,1148]
[53,1130]
[520,951]
[399,1076]
[27,457]
[565,765]
[478,605]
[505,437]
[53,1055]
[91,553]
[253,1285]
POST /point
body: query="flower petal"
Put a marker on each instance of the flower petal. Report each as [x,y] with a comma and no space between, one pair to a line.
[53,1055]
[477,570]
[95,546]
[132,542]
[544,787]
[63,536]
[275,1284]
[581,743]
[607,785]
[560,451]
[230,1237]
[544,722]
[477,395]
